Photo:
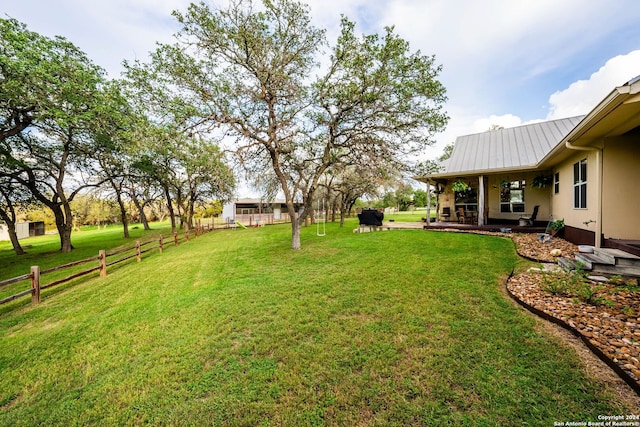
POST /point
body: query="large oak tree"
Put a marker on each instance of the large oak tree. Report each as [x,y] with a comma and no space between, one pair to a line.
[53,98]
[247,71]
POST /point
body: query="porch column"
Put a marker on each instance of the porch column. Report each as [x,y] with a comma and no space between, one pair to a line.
[481,200]
[428,223]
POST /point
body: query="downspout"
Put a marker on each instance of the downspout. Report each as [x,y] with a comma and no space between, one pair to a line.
[599,167]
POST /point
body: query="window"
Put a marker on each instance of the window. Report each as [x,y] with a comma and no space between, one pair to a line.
[556,182]
[512,197]
[467,199]
[580,184]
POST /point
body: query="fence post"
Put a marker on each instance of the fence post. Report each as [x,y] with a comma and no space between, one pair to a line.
[175,238]
[35,284]
[102,256]
[138,250]
[186,234]
[196,230]
[160,243]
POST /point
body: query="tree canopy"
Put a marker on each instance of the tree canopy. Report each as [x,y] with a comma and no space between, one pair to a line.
[65,129]
[245,73]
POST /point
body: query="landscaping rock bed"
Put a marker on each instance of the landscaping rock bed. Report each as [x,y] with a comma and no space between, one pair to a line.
[530,246]
[609,323]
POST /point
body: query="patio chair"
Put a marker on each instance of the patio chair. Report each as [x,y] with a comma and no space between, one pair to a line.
[445,214]
[461,217]
[529,219]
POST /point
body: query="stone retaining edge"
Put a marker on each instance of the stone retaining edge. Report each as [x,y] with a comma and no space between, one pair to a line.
[613,365]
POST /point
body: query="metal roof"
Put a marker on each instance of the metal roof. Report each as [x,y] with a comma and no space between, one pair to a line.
[513,148]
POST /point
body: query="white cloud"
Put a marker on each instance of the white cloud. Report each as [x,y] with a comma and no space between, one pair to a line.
[501,59]
[583,95]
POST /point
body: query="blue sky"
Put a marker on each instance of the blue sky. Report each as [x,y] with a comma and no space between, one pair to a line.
[504,62]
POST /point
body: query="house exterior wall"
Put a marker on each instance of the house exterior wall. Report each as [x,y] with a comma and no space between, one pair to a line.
[532,196]
[562,203]
[620,175]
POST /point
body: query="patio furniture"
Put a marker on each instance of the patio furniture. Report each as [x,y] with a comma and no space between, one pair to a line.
[461,217]
[529,219]
[445,214]
[370,218]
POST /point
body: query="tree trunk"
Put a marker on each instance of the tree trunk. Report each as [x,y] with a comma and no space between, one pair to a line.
[295,230]
[65,238]
[11,228]
[334,205]
[13,236]
[64,224]
[143,216]
[123,215]
[170,208]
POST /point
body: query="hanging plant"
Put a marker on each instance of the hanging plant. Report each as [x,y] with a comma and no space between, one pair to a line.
[459,186]
[541,181]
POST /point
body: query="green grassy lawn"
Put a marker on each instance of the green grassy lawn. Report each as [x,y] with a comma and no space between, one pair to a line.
[399,327]
[44,251]
[409,216]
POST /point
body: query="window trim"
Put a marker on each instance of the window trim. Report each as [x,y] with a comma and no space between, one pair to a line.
[517,185]
[580,184]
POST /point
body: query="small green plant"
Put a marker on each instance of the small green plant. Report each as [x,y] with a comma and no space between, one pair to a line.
[575,284]
[616,281]
[585,291]
[555,284]
[557,225]
[459,186]
[628,311]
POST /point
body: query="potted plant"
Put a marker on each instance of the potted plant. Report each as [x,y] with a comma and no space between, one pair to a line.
[556,226]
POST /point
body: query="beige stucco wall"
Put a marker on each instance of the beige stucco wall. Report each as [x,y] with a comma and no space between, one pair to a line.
[562,203]
[532,196]
[620,160]
[620,200]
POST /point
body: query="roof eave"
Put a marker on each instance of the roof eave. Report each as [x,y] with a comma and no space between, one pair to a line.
[460,174]
[615,99]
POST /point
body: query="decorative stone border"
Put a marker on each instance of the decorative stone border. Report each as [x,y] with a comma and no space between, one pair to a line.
[635,385]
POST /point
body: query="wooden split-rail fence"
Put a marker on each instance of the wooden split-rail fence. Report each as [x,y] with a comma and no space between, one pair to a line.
[104,260]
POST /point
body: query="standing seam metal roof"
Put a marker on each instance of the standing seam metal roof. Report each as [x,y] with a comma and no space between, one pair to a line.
[516,147]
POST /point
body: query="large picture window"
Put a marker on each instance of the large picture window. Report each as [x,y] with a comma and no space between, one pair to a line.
[512,197]
[467,199]
[580,184]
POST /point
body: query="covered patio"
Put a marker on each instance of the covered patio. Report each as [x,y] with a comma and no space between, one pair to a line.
[494,180]
[443,225]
